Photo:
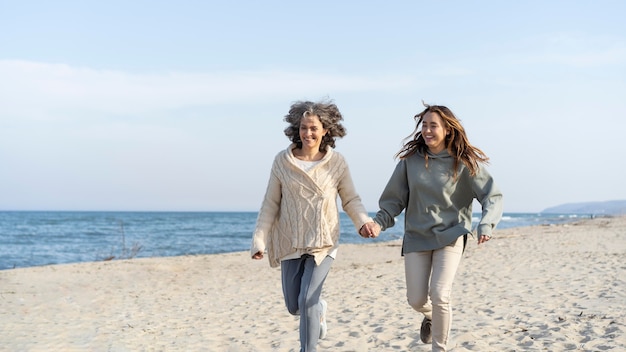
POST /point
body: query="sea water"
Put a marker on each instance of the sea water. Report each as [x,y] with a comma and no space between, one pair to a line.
[32,238]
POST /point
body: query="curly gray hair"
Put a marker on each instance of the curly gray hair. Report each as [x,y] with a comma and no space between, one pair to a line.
[329,116]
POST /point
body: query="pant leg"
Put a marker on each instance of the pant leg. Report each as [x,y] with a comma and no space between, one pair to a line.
[291,273]
[444,267]
[417,269]
[302,282]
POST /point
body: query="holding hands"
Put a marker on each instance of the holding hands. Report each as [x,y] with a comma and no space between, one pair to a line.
[370,230]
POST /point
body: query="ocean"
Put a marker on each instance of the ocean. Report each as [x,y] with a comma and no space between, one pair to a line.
[33,238]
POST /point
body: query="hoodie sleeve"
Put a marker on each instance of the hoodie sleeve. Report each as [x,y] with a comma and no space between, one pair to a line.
[490,198]
[394,198]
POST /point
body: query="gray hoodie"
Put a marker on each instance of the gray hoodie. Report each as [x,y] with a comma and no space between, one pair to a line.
[438,207]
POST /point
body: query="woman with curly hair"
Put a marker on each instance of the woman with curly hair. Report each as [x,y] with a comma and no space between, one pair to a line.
[435,182]
[298,224]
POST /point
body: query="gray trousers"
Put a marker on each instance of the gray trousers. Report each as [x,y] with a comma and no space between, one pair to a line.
[302,287]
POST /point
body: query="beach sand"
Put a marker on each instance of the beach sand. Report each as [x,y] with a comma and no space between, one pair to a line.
[543,288]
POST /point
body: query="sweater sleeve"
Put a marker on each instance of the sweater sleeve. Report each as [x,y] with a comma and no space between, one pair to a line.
[268,213]
[351,201]
[490,198]
[394,198]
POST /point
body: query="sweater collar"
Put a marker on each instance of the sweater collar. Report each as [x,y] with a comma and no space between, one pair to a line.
[327,156]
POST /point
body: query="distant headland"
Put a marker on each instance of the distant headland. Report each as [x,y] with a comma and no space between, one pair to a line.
[611,207]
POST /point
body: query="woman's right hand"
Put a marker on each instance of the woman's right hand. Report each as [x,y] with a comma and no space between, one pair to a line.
[370,229]
[258,255]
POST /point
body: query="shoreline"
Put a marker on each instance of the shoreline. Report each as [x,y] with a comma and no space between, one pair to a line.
[96,249]
[543,287]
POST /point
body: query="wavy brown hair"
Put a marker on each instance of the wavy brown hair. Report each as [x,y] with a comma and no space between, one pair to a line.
[329,116]
[456,142]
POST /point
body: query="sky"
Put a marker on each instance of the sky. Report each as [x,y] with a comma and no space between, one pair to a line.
[179,105]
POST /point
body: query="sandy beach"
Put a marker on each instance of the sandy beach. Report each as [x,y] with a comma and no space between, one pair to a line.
[543,288]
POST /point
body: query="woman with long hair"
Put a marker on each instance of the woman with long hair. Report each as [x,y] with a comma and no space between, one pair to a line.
[438,176]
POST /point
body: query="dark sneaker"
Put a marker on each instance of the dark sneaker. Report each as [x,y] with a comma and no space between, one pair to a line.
[425,334]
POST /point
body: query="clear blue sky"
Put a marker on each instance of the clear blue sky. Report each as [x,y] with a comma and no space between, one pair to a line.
[179,105]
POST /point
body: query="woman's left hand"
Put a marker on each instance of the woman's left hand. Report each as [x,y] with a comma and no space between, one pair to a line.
[483,238]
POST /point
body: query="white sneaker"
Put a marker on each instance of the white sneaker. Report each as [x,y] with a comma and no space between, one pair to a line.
[323,326]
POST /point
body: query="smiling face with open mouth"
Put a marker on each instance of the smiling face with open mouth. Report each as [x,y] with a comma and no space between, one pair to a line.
[311,132]
[434,132]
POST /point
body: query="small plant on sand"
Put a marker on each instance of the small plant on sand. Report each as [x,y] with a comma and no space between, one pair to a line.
[127,253]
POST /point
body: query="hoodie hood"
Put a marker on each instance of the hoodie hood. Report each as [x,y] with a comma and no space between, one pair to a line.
[441,155]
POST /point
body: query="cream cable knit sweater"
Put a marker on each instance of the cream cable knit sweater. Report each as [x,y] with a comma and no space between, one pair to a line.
[299,212]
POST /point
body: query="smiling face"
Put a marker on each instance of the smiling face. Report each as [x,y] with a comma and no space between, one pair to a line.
[311,132]
[434,132]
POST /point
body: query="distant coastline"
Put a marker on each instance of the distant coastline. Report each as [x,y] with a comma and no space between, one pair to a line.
[611,207]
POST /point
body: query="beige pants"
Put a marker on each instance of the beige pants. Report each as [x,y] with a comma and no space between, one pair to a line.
[429,278]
